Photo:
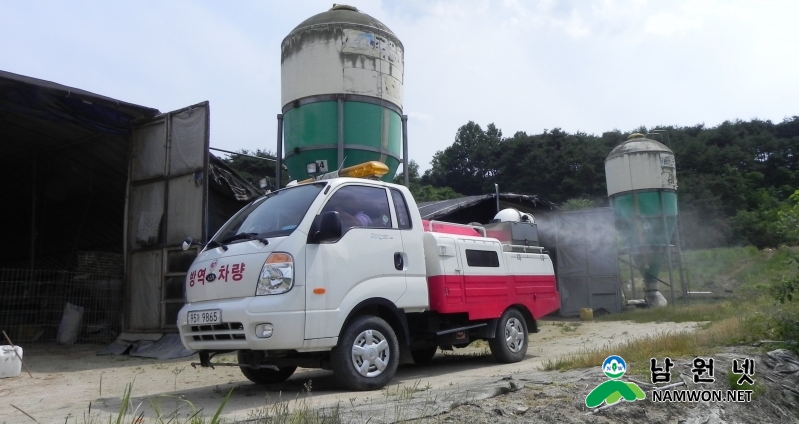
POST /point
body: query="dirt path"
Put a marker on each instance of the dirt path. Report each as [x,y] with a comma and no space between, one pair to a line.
[67,380]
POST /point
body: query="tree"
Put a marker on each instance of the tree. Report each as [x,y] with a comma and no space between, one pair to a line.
[468,166]
[424,192]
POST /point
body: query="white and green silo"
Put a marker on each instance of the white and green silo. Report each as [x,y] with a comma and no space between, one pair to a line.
[341,92]
[642,186]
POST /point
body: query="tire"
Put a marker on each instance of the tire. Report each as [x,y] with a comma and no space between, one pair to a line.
[367,354]
[265,375]
[423,355]
[510,342]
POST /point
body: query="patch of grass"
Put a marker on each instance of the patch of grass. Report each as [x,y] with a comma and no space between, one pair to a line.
[479,344]
[405,392]
[705,267]
[693,312]
[298,412]
[757,389]
[638,351]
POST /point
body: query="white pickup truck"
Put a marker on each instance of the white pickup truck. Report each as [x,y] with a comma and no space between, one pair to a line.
[344,274]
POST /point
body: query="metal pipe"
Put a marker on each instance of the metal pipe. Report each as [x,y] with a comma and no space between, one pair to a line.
[632,276]
[33,213]
[340,133]
[496,194]
[661,132]
[279,165]
[684,283]
[668,246]
[405,150]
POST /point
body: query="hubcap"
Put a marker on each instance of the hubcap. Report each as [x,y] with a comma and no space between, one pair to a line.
[370,353]
[514,335]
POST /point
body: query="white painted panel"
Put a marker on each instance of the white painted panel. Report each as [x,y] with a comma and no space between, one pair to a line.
[316,69]
[362,81]
[640,171]
[392,89]
[360,42]
[352,62]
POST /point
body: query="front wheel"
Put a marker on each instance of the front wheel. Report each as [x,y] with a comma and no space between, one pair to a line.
[367,354]
[264,375]
[510,342]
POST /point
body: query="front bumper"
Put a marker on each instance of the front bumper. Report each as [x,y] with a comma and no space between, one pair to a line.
[286,312]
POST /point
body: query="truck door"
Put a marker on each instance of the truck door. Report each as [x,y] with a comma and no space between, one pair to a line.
[362,264]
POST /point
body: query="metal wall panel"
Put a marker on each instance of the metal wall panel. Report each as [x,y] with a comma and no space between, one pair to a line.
[167,202]
[185,214]
[187,151]
[586,258]
[145,270]
[574,294]
[147,155]
[146,211]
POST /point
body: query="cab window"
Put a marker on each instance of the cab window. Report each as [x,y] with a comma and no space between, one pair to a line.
[360,206]
[401,208]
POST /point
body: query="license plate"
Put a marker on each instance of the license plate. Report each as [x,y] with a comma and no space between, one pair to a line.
[213,316]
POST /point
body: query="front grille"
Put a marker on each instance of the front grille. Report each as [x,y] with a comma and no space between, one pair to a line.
[224,331]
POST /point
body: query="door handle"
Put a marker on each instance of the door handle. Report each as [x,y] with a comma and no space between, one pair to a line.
[398,262]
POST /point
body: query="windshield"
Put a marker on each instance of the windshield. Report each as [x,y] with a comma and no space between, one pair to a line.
[274,215]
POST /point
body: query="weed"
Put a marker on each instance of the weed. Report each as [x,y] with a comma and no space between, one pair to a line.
[757,389]
[176,371]
[569,327]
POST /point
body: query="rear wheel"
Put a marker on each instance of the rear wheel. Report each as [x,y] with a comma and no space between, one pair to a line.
[423,355]
[367,354]
[510,342]
[265,375]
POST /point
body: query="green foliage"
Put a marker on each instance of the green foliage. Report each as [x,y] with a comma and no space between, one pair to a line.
[787,286]
[424,192]
[577,204]
[769,223]
[468,166]
[428,193]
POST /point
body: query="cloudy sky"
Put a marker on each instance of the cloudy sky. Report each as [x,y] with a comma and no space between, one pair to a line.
[579,65]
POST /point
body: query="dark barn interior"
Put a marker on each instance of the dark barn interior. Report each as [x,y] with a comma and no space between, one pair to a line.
[65,163]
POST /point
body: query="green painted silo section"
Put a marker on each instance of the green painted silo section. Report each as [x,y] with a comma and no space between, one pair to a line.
[371,132]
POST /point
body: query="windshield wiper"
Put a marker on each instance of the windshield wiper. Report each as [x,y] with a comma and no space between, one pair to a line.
[214,243]
[246,236]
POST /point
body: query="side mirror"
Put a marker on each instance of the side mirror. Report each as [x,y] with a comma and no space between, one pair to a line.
[328,228]
[189,242]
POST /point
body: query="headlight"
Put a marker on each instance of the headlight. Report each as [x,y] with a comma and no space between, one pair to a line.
[277,275]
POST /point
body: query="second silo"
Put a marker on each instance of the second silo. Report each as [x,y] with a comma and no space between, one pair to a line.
[642,186]
[341,90]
